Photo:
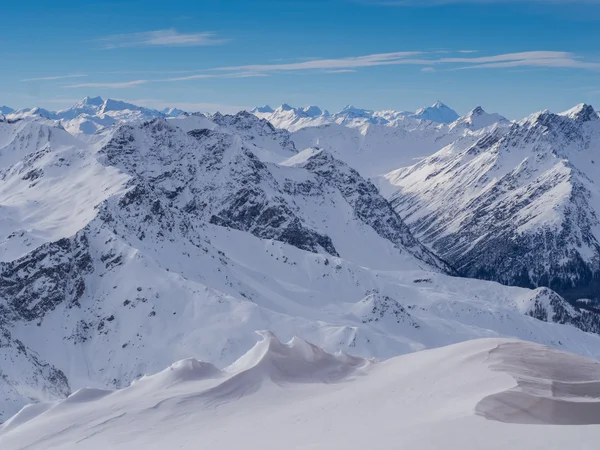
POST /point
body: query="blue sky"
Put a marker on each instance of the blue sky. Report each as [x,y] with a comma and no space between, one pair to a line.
[510,56]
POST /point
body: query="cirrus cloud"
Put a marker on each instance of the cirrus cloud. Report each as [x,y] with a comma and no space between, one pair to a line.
[56,77]
[554,59]
[160,38]
[115,85]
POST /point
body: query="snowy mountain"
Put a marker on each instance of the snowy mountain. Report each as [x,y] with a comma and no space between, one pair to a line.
[487,394]
[266,109]
[175,238]
[438,112]
[477,119]
[377,142]
[289,118]
[519,206]
[4,110]
[293,119]
[94,114]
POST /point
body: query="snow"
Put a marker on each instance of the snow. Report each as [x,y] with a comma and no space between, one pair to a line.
[296,395]
[438,112]
[477,119]
[58,203]
[93,114]
[293,119]
[536,176]
[159,239]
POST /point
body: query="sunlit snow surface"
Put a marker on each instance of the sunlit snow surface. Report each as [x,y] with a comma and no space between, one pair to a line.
[132,222]
[482,394]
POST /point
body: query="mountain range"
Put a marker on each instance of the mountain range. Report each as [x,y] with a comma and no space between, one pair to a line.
[131,238]
[520,205]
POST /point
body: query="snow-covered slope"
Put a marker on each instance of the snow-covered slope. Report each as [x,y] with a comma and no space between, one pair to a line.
[519,206]
[377,142]
[486,394]
[177,238]
[376,149]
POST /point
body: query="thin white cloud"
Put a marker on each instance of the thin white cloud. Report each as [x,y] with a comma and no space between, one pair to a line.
[116,85]
[353,62]
[525,59]
[429,62]
[161,38]
[552,59]
[202,76]
[133,83]
[58,77]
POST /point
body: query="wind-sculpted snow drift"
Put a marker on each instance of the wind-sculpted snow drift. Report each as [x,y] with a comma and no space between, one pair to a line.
[176,238]
[297,395]
[553,388]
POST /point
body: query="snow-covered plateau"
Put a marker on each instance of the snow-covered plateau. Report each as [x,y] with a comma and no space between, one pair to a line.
[131,239]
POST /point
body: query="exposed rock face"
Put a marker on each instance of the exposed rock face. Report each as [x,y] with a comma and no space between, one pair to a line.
[174,238]
[368,205]
[51,275]
[519,207]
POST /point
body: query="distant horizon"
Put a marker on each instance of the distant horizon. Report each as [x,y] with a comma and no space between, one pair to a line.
[176,105]
[511,57]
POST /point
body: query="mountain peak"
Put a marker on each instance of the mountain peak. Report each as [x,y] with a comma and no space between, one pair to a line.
[285,107]
[312,111]
[172,112]
[438,112]
[266,109]
[352,111]
[6,110]
[582,112]
[91,101]
[477,111]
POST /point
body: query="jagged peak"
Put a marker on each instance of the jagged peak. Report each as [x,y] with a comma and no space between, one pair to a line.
[312,111]
[477,111]
[436,105]
[352,108]
[353,112]
[582,112]
[173,112]
[438,112]
[285,107]
[265,109]
[90,101]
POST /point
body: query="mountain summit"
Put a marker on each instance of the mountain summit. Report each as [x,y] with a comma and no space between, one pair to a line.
[438,112]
